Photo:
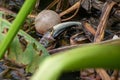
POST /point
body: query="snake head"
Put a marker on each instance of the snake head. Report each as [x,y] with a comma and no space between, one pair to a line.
[47,39]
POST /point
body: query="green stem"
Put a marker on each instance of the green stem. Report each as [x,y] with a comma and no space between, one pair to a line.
[93,56]
[19,20]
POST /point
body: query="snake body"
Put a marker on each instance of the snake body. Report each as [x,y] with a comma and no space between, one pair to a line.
[56,30]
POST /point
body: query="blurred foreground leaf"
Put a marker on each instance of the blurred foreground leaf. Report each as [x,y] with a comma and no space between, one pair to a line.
[89,56]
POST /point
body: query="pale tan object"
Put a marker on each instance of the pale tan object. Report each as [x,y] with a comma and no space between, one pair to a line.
[45,20]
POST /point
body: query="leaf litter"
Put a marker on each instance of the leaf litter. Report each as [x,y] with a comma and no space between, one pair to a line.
[100,21]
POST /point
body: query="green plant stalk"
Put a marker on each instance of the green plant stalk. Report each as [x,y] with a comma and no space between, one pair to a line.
[16,25]
[94,56]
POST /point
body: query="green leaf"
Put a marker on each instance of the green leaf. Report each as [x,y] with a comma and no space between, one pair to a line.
[1,37]
[36,60]
[1,14]
[14,50]
[28,56]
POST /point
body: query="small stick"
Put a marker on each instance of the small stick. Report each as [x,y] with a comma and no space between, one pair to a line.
[72,15]
[74,7]
[52,4]
[100,33]
[117,14]
[115,75]
[58,5]
[7,11]
[89,28]
[103,21]
[103,74]
[61,49]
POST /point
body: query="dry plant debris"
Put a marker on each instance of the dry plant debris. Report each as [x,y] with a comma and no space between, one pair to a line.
[100,21]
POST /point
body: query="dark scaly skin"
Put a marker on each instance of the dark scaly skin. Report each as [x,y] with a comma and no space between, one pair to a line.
[50,36]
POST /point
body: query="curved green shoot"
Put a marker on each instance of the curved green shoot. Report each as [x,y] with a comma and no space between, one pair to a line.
[92,56]
[16,25]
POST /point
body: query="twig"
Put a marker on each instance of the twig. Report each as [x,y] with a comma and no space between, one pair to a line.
[71,16]
[52,4]
[108,42]
[103,21]
[4,72]
[100,33]
[58,5]
[74,7]
[97,4]
[103,74]
[89,28]
[117,14]
[115,75]
[7,10]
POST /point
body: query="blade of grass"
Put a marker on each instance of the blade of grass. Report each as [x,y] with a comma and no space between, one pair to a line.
[16,25]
